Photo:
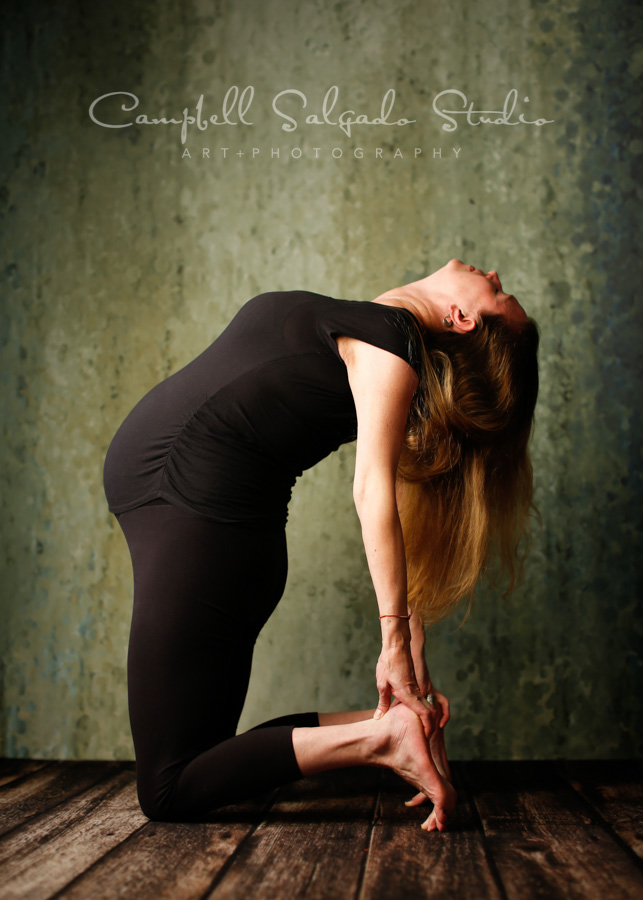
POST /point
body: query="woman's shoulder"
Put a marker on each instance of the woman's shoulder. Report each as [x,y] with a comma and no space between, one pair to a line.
[388,327]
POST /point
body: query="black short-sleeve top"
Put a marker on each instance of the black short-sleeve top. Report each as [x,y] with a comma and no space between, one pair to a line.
[227,436]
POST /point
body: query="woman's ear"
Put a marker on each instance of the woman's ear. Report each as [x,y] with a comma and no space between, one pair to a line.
[461,320]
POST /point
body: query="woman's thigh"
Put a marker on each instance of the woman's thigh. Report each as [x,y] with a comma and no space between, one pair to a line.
[202,592]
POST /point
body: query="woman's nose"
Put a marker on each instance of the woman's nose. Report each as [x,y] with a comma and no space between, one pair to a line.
[493,276]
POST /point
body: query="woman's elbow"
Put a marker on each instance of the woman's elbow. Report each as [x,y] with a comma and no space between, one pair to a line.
[373,495]
[359,494]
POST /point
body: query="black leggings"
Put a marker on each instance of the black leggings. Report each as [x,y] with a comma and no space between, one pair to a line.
[202,593]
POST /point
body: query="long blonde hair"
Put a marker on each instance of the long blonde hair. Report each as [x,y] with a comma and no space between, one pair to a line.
[464,479]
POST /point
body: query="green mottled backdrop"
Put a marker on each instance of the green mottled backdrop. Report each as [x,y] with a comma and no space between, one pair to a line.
[123,257]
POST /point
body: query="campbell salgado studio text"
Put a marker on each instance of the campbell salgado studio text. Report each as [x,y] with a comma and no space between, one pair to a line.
[452,108]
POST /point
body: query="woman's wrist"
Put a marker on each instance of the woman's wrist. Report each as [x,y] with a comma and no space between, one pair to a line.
[418,633]
[395,633]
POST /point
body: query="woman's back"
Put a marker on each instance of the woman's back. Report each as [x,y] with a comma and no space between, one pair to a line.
[227,435]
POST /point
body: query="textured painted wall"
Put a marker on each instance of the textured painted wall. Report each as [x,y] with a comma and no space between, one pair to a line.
[123,257]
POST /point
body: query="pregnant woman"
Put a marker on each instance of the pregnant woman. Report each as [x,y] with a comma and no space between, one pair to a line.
[437,381]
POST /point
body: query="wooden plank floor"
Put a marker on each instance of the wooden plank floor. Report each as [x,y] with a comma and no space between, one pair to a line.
[522,830]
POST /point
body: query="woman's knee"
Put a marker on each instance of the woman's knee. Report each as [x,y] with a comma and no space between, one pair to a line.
[154,794]
[176,791]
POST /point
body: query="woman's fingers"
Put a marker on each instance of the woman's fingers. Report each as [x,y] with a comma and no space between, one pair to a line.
[439,756]
[422,709]
[444,765]
[440,762]
[442,703]
[445,706]
[439,753]
[384,701]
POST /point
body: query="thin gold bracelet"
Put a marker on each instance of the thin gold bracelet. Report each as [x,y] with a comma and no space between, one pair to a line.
[394,616]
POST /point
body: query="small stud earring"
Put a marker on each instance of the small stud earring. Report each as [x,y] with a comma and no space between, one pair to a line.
[448,322]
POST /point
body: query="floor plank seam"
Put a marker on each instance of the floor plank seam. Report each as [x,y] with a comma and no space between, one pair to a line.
[488,855]
[502,827]
[39,814]
[96,864]
[70,825]
[19,779]
[261,818]
[361,881]
[607,826]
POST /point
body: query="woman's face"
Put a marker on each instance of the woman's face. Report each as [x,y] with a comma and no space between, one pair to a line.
[475,291]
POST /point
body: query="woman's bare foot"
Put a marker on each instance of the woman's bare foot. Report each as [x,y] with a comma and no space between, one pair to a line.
[404,749]
[396,741]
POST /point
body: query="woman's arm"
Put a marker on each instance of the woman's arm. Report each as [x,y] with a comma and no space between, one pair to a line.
[383,385]
[418,654]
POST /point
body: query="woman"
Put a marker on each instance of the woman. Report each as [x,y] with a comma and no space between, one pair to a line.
[437,380]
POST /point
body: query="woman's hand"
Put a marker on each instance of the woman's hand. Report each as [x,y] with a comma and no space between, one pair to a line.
[441,710]
[437,750]
[395,676]
[436,742]
[441,703]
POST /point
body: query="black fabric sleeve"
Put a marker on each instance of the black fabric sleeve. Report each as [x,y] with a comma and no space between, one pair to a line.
[388,327]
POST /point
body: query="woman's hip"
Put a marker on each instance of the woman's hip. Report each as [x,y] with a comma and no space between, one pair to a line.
[236,572]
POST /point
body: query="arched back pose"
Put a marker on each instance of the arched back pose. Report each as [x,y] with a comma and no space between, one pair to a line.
[437,380]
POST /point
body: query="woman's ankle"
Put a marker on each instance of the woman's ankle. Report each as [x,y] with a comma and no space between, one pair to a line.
[338,746]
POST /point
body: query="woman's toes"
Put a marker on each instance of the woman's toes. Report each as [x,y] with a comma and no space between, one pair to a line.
[410,757]
[429,824]
[418,800]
